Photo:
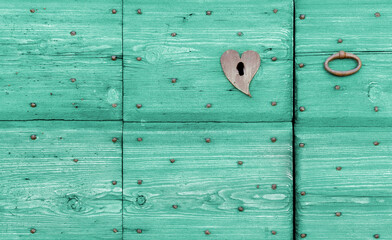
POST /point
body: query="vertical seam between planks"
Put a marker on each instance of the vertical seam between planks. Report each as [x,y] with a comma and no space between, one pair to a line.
[293,129]
[122,121]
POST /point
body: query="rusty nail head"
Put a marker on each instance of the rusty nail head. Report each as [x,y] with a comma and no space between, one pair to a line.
[114,11]
[376,109]
[376,236]
[73,33]
[303,193]
[172,160]
[302,109]
[273,139]
[258,186]
[338,214]
[302,16]
[174,80]
[139,58]
[114,58]
[139,139]
[302,145]
[33,105]
[208,140]
[208,105]
[33,230]
[208,13]
[303,235]
[115,230]
[239,33]
[274,59]
[273,232]
[273,186]
[275,10]
[241,209]
[139,11]
[175,206]
[32,10]
[138,105]
[240,162]
[139,231]
[174,34]
[301,65]
[114,105]
[139,182]
[73,79]
[33,137]
[340,40]
[114,182]
[337,87]
[207,232]
[75,160]
[376,143]
[114,140]
[377,14]
[273,103]
[338,168]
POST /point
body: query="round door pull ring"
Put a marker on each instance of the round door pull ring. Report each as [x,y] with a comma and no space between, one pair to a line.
[342,55]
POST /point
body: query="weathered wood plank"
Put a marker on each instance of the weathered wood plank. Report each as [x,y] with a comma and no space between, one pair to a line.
[45,189]
[205,181]
[40,58]
[341,170]
[192,57]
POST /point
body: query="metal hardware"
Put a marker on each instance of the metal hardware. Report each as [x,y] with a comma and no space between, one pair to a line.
[342,55]
[240,70]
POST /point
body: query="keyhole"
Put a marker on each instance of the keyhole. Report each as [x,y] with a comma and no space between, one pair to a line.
[240,68]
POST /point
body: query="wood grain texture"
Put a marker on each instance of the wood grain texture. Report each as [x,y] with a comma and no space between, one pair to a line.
[43,188]
[206,182]
[192,57]
[361,190]
[362,33]
[40,57]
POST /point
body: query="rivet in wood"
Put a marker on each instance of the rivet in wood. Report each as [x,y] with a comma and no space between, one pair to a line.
[338,168]
[376,109]
[139,182]
[73,79]
[33,105]
[114,182]
[114,139]
[139,58]
[273,103]
[114,105]
[303,235]
[302,16]
[258,186]
[377,14]
[172,160]
[115,230]
[340,40]
[139,11]
[239,33]
[139,231]
[338,214]
[302,109]
[139,139]
[173,34]
[273,232]
[174,80]
[273,186]
[376,143]
[33,230]
[208,13]
[275,10]
[114,11]
[175,206]
[32,10]
[303,193]
[302,145]
[376,236]
[241,209]
[73,33]
[240,162]
[208,105]
[337,87]
[138,105]
[273,139]
[114,58]
[274,59]
[75,160]
[33,137]
[208,140]
[207,232]
[301,65]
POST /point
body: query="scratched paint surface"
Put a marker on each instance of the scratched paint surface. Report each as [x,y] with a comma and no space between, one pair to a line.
[40,57]
[341,170]
[206,182]
[192,57]
[362,33]
[44,188]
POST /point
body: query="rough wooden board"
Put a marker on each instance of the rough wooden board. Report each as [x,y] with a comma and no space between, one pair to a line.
[352,21]
[193,57]
[354,103]
[39,57]
[206,182]
[361,190]
[43,188]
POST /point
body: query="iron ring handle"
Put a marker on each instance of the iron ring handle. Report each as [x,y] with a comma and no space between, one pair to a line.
[342,55]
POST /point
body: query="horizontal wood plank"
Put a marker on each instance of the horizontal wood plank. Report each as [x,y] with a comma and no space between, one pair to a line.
[46,189]
[192,57]
[204,180]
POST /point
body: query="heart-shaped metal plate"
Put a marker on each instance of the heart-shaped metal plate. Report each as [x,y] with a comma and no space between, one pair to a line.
[240,70]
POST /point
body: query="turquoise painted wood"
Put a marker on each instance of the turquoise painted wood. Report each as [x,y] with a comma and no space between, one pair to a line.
[172,164]
[44,189]
[362,32]
[179,40]
[343,182]
[40,58]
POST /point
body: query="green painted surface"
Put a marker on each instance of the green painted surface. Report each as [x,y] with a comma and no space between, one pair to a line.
[43,188]
[39,57]
[363,34]
[206,182]
[193,58]
[361,190]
